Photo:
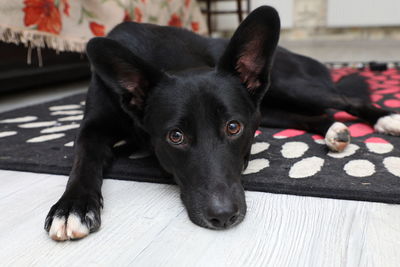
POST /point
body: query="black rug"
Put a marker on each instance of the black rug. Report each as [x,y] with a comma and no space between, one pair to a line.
[39,139]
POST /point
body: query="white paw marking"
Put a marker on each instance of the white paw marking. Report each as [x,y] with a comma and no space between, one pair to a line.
[306,167]
[259,147]
[60,128]
[256,165]
[71,118]
[348,151]
[67,112]
[19,119]
[72,228]
[392,164]
[44,138]
[332,135]
[75,228]
[359,168]
[388,125]
[292,150]
[7,133]
[64,107]
[38,124]
[57,229]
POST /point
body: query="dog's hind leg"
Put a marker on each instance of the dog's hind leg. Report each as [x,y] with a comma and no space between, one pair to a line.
[336,134]
[350,94]
[356,94]
[384,121]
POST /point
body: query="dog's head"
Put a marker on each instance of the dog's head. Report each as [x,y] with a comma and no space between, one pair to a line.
[201,121]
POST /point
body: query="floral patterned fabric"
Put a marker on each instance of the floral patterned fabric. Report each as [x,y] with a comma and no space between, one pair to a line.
[67,25]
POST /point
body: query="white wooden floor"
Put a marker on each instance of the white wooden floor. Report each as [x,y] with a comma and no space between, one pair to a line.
[146,225]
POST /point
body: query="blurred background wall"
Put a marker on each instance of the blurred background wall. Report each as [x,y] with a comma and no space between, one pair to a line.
[327,19]
[330,30]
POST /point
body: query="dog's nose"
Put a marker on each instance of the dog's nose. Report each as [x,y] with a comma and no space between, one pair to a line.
[223,216]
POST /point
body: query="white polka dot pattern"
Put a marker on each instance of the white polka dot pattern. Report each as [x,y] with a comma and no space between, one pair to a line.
[71,118]
[306,167]
[7,133]
[19,119]
[44,138]
[291,150]
[348,151]
[69,144]
[256,165]
[359,168]
[66,112]
[64,107]
[380,148]
[38,124]
[60,128]
[392,164]
[259,147]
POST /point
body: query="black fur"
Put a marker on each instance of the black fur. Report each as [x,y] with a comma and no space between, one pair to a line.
[150,80]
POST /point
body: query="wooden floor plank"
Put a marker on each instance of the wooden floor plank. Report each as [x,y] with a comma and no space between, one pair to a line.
[147,225]
[11,181]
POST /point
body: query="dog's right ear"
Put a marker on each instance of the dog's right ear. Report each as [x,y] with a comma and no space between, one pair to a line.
[250,52]
[121,70]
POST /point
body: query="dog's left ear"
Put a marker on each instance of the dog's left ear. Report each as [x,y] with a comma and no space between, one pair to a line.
[250,52]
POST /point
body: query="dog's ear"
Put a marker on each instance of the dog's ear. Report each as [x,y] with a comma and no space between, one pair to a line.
[121,70]
[250,52]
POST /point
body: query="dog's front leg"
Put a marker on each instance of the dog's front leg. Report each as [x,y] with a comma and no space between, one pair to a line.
[77,213]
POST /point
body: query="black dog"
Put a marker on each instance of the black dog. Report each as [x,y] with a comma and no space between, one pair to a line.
[198,102]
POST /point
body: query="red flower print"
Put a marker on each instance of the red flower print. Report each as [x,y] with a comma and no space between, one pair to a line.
[187,3]
[143,1]
[127,16]
[175,21]
[44,14]
[195,26]
[138,14]
[97,29]
[66,7]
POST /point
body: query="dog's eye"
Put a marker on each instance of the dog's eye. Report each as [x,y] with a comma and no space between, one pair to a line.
[233,128]
[175,137]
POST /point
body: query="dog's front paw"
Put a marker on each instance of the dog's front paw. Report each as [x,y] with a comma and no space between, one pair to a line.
[337,137]
[388,125]
[73,218]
